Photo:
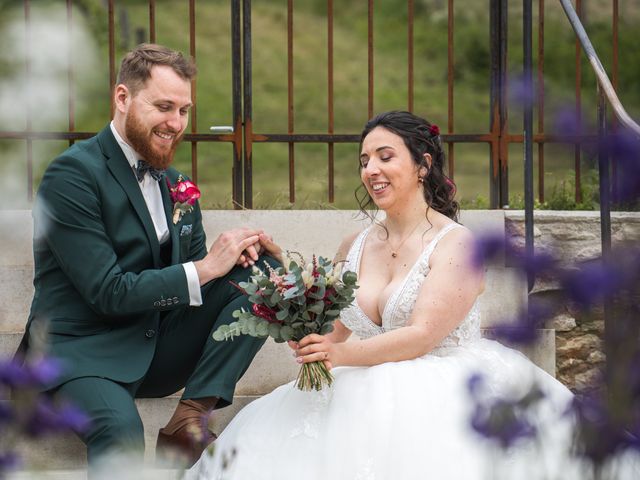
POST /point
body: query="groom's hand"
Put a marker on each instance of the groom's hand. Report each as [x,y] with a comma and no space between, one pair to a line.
[225,253]
[266,245]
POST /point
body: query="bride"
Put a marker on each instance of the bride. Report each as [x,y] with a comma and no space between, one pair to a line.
[399,407]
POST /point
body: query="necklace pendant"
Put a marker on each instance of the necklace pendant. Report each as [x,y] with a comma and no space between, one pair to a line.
[394,254]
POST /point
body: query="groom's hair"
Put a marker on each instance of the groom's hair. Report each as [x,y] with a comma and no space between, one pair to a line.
[136,66]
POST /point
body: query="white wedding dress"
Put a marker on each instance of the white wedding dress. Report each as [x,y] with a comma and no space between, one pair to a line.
[398,420]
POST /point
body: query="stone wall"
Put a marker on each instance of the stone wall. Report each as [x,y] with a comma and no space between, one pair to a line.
[573,237]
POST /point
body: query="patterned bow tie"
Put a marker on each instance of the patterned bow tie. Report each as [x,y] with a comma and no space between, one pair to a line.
[143,167]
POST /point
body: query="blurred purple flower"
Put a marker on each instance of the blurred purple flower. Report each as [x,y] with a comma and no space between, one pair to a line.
[520,92]
[8,461]
[73,418]
[6,412]
[538,264]
[591,282]
[502,421]
[48,418]
[14,374]
[623,149]
[45,370]
[487,248]
[475,384]
[567,121]
[598,436]
[526,329]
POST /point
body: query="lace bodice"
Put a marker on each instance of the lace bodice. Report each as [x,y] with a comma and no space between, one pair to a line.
[398,309]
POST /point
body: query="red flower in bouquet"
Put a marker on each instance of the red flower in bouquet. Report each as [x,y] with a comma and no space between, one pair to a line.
[184,195]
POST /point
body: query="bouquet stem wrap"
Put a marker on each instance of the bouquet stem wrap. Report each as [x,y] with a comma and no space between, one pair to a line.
[313,376]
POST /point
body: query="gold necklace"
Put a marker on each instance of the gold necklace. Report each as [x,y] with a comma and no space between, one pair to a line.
[394,251]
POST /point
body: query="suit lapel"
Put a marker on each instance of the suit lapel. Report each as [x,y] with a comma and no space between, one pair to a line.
[121,170]
[173,230]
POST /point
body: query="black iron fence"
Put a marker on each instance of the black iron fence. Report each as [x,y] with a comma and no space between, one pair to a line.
[243,135]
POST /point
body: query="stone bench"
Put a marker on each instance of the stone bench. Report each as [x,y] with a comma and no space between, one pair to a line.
[307,232]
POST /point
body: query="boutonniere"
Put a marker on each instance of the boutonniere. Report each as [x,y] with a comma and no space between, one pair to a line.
[183,195]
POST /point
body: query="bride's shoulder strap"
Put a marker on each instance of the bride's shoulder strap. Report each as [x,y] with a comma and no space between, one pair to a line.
[432,245]
[350,246]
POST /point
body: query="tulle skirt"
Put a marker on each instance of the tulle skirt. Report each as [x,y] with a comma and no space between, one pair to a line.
[397,421]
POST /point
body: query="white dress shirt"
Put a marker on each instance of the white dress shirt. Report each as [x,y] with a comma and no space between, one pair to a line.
[153,198]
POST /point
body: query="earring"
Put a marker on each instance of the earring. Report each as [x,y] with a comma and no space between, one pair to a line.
[420,179]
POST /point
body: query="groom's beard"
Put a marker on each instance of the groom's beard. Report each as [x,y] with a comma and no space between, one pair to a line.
[141,141]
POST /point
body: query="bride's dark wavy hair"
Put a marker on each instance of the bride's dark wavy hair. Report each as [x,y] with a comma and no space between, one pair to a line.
[420,137]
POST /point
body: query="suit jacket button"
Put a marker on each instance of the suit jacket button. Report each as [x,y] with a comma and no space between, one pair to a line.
[176,299]
[163,303]
[150,333]
[169,301]
[156,303]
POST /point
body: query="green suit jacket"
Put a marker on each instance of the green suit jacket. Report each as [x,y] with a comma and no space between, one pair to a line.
[99,285]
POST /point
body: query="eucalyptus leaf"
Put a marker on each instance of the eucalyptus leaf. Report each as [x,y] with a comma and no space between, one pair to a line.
[286,333]
[262,329]
[274,331]
[326,328]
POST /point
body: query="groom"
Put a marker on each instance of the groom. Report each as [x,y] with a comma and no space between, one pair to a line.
[126,293]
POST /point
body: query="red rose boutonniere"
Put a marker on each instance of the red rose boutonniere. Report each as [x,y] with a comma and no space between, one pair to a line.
[183,195]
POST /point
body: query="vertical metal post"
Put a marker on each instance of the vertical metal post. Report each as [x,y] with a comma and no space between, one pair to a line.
[152,21]
[527,44]
[603,172]
[70,74]
[248,106]
[194,109]
[540,99]
[370,58]
[499,184]
[614,81]
[450,79]
[611,335]
[290,105]
[410,15]
[236,99]
[330,146]
[29,141]
[578,112]
[112,54]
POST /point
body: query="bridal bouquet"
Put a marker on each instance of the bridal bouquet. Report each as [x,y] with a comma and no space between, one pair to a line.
[289,304]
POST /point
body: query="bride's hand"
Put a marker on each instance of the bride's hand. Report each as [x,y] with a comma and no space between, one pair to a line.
[316,348]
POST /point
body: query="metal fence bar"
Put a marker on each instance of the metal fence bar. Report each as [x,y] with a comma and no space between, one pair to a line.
[614,79]
[540,99]
[194,111]
[112,54]
[236,104]
[410,20]
[29,143]
[152,21]
[527,47]
[330,112]
[370,58]
[248,105]
[290,105]
[578,111]
[70,73]
[450,77]
[499,187]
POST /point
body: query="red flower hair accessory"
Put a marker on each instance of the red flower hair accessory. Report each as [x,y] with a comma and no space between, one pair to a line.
[434,130]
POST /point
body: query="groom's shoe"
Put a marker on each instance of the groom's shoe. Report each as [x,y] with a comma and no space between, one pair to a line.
[182,448]
[182,441]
